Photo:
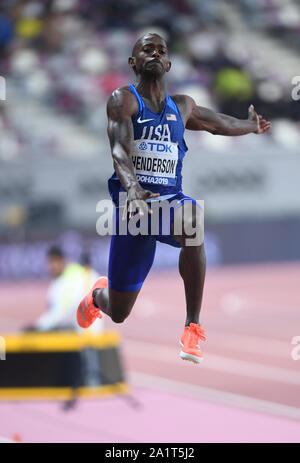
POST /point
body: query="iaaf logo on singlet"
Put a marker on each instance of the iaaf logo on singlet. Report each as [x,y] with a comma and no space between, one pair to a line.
[158,147]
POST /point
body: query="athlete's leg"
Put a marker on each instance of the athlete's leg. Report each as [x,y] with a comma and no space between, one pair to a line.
[192,268]
[116,304]
[192,259]
[130,260]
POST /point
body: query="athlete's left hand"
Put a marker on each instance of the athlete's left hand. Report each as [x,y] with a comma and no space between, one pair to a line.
[262,124]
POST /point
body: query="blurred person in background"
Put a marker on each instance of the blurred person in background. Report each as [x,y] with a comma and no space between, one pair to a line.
[138,114]
[70,281]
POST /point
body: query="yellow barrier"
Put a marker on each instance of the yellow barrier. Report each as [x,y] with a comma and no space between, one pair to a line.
[59,341]
[59,365]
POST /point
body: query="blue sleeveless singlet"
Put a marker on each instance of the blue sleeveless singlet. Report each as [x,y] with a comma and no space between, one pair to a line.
[157,150]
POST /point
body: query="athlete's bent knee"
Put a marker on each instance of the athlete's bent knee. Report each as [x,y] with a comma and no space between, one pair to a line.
[119,317]
[120,305]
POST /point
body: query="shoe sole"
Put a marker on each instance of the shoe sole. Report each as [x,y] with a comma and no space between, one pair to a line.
[189,357]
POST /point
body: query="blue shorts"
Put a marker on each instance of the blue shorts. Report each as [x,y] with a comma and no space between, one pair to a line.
[131,257]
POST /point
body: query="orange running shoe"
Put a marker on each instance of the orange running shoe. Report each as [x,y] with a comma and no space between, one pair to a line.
[190,343]
[87,313]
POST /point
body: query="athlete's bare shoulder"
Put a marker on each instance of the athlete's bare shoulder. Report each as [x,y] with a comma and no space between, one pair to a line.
[122,103]
[185,105]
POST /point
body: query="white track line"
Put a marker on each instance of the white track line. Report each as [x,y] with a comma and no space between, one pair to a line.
[213,362]
[213,395]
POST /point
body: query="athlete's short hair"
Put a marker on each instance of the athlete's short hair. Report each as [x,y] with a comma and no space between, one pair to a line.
[138,42]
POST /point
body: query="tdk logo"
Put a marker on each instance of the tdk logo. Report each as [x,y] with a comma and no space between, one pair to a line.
[158,147]
[143,146]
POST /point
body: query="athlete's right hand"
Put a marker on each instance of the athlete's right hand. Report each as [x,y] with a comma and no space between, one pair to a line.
[136,200]
[262,124]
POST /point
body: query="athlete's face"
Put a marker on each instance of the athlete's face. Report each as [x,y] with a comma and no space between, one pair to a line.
[150,57]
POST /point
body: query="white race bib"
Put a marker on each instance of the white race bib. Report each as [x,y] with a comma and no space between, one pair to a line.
[155,161]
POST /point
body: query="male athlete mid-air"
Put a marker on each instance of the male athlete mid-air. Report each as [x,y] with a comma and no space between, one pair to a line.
[140,116]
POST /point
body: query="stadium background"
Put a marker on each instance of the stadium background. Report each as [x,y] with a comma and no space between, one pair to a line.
[61,60]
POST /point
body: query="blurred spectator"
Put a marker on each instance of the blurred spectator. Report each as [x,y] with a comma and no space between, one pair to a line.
[69,284]
[64,57]
[6,31]
[234,83]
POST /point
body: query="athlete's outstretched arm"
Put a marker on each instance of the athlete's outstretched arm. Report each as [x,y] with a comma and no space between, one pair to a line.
[121,106]
[200,118]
